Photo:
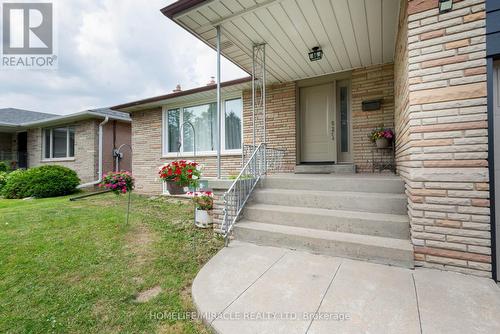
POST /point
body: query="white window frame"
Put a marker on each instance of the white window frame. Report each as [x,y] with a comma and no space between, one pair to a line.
[51,146]
[195,103]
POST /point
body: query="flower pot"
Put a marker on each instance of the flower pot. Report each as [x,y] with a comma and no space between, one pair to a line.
[202,218]
[382,143]
[175,189]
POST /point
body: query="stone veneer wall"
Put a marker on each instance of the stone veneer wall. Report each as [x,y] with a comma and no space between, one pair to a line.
[281,121]
[443,150]
[374,82]
[85,162]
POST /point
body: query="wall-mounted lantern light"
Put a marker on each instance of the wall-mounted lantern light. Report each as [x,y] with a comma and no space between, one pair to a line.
[315,54]
[445,6]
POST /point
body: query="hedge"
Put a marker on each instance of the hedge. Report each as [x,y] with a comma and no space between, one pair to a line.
[40,182]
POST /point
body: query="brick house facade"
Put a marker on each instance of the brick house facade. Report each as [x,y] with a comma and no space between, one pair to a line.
[78,150]
[433,93]
[85,161]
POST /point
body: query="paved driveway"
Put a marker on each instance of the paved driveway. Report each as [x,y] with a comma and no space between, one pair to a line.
[254,289]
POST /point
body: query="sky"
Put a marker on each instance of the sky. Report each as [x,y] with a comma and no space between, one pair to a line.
[111,52]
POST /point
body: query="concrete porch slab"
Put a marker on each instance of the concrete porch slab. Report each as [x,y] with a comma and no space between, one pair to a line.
[255,289]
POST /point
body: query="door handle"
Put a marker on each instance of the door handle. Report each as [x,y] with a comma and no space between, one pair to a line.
[332,132]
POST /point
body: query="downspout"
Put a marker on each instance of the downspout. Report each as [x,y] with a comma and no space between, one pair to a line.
[93,183]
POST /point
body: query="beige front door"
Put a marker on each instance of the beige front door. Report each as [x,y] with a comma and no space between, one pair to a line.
[317,123]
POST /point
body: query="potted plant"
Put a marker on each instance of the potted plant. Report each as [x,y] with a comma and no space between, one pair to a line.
[118,182]
[382,137]
[204,203]
[180,174]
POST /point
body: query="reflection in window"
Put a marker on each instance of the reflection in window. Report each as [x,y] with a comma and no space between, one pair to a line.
[344,121]
[233,113]
[173,121]
[204,120]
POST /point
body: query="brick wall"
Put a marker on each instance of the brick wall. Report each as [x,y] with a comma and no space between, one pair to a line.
[374,82]
[147,157]
[85,162]
[442,154]
[281,121]
[147,146]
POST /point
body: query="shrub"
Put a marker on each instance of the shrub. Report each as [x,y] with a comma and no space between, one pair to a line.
[3,179]
[16,184]
[40,182]
[4,167]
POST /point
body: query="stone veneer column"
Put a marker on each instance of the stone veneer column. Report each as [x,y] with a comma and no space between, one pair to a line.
[441,119]
[281,121]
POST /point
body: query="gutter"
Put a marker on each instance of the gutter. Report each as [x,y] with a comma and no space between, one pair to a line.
[93,183]
[162,98]
[71,117]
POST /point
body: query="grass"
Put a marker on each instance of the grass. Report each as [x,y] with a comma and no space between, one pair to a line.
[74,267]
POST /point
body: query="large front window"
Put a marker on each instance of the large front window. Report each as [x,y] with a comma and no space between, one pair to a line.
[179,137]
[59,143]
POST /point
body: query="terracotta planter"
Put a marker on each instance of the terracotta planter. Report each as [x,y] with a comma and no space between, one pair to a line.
[382,143]
[202,218]
[174,189]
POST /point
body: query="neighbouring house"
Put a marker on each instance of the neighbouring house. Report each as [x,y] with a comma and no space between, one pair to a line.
[324,74]
[29,139]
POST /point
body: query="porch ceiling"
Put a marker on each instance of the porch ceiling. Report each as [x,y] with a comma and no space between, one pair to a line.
[352,33]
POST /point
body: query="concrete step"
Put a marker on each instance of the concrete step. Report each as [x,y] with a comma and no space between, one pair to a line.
[382,250]
[377,224]
[356,182]
[325,169]
[341,200]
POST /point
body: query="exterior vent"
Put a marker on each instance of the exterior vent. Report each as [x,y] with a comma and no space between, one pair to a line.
[226,45]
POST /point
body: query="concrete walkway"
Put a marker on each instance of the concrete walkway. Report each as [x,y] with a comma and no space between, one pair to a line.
[254,289]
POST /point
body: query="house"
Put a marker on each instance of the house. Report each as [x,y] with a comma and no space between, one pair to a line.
[30,139]
[325,74]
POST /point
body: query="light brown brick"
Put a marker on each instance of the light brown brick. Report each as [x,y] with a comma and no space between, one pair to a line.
[457,44]
[431,34]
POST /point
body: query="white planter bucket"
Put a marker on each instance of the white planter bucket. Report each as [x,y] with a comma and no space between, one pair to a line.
[202,218]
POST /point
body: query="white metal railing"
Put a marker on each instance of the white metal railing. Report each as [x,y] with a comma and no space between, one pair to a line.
[261,161]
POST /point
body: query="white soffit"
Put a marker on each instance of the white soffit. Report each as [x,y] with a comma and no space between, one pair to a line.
[352,33]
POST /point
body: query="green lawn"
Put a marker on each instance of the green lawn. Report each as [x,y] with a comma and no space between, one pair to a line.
[74,267]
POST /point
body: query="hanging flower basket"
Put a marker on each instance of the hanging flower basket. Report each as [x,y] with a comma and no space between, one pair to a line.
[174,188]
[180,174]
[118,182]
